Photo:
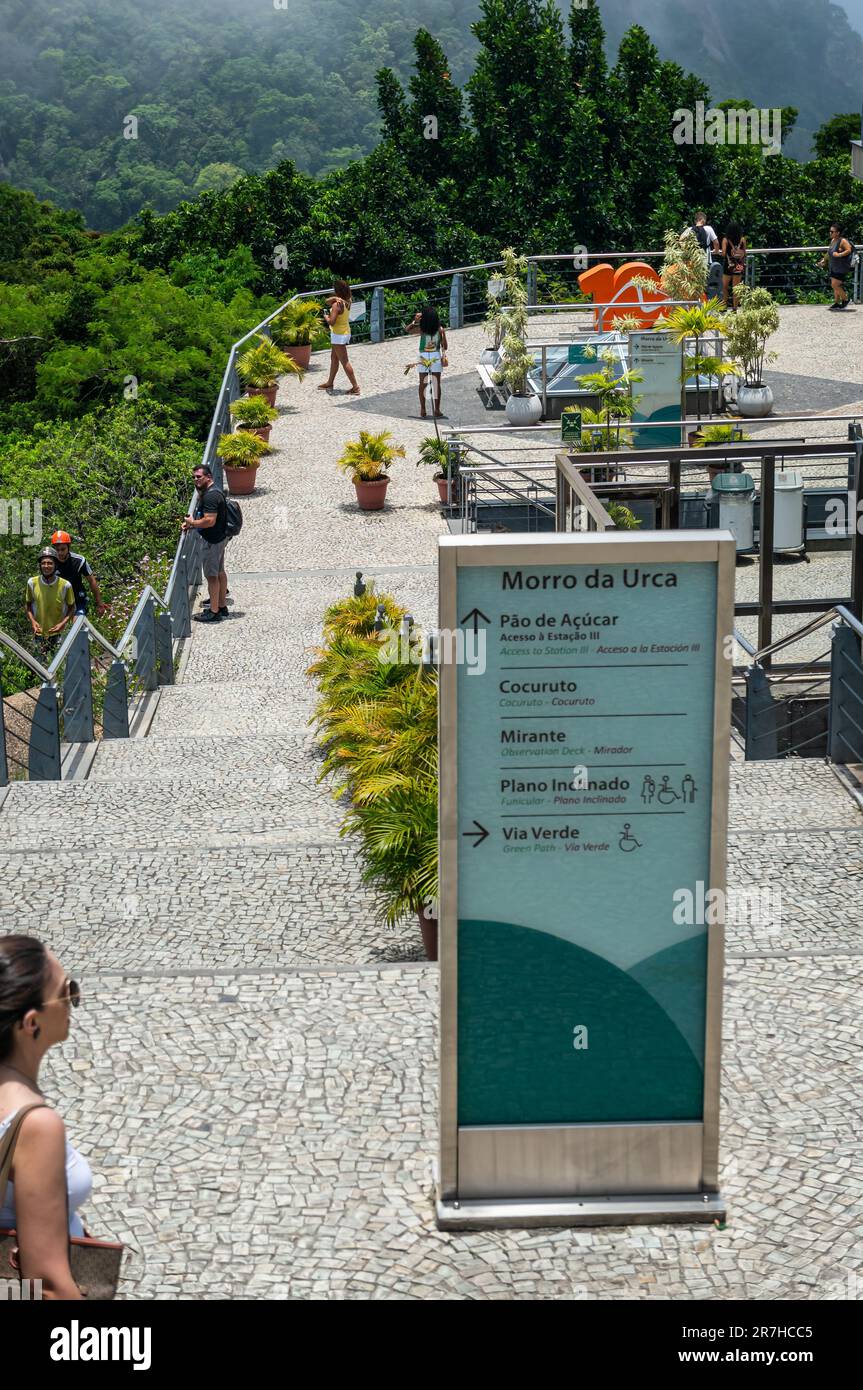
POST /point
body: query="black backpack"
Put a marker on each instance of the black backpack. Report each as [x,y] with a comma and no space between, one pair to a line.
[700,236]
[233,518]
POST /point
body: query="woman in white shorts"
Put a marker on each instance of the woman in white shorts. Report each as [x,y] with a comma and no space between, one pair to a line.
[337,319]
[432,354]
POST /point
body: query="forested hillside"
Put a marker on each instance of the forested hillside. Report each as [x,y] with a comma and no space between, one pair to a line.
[219,87]
[801,53]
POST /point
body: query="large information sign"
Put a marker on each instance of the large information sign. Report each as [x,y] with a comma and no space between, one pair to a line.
[658,359]
[584,761]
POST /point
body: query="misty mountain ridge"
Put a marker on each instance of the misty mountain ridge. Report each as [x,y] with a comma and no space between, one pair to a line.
[802,53]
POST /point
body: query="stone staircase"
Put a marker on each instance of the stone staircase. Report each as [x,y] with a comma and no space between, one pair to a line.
[253,1073]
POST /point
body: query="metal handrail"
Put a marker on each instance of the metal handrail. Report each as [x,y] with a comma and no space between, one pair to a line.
[838,611]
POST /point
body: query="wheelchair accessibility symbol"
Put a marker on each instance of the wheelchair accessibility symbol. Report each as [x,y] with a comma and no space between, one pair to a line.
[628,842]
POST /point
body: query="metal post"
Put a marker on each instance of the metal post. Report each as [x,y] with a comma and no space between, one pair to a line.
[115,715]
[674,474]
[845,729]
[531,282]
[544,383]
[194,573]
[164,649]
[765,588]
[4,767]
[761,714]
[43,759]
[145,654]
[180,612]
[855,527]
[378,319]
[456,301]
[78,692]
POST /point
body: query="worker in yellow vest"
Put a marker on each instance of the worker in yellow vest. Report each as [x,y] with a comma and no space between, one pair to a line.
[50,599]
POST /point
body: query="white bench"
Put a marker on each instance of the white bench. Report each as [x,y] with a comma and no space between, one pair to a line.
[490,392]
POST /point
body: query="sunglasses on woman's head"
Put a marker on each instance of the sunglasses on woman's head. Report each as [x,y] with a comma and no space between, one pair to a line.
[71,996]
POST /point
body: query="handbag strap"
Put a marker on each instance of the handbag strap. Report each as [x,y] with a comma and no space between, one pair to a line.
[8,1143]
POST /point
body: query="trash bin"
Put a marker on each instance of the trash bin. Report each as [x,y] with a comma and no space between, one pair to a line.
[732,507]
[788,523]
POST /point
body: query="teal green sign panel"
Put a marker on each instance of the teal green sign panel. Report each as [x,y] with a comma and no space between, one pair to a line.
[656,356]
[584,804]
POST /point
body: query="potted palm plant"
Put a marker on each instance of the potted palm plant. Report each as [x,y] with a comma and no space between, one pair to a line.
[260,367]
[757,317]
[523,407]
[367,459]
[241,453]
[435,453]
[708,436]
[292,330]
[252,413]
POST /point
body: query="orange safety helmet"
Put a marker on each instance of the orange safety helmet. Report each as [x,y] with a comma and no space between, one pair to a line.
[61,538]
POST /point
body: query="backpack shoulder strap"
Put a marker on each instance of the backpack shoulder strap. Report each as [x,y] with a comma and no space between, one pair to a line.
[8,1143]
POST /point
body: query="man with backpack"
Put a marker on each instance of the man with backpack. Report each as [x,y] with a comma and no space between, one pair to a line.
[217,520]
[704,235]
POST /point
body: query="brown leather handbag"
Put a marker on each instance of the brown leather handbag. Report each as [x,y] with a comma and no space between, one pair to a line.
[95,1264]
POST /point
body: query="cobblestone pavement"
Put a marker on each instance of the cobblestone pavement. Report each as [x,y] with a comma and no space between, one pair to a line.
[254,1074]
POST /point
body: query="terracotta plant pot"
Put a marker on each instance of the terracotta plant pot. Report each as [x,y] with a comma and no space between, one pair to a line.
[262,433]
[371,495]
[442,484]
[300,352]
[241,481]
[268,392]
[428,927]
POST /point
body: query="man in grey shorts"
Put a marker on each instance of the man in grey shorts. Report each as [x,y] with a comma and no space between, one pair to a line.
[210,518]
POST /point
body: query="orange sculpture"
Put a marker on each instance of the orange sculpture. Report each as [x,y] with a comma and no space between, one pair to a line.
[605,285]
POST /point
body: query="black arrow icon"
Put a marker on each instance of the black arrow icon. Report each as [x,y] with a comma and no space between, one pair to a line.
[475,614]
[477,835]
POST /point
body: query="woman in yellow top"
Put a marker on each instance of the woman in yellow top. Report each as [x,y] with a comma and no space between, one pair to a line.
[337,319]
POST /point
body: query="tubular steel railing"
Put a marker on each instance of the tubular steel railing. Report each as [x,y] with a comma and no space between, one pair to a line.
[65,700]
[812,708]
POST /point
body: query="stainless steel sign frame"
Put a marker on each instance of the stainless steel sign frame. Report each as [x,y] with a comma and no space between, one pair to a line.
[640,1168]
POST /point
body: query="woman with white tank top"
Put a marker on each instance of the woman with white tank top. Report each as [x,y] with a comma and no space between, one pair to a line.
[49,1179]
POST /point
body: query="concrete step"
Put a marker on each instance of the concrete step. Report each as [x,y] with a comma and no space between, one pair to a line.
[245,708]
[171,910]
[201,813]
[288,758]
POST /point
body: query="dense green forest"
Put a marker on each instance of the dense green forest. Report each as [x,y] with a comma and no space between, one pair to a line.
[216,87]
[112,346]
[108,105]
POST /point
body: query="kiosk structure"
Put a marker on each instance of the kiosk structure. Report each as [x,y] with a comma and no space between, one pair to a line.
[584,756]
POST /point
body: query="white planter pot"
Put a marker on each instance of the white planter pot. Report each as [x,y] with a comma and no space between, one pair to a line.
[488,357]
[523,410]
[754,401]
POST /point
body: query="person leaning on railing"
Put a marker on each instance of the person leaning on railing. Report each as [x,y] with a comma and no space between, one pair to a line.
[50,599]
